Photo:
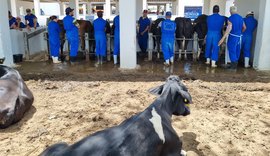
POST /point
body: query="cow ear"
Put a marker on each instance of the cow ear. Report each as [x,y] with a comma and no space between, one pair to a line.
[186,96]
[157,90]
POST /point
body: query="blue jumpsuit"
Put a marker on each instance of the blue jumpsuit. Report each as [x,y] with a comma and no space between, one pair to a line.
[251,24]
[21,25]
[30,18]
[116,36]
[235,37]
[100,36]
[12,21]
[143,39]
[168,28]
[54,39]
[215,24]
[72,33]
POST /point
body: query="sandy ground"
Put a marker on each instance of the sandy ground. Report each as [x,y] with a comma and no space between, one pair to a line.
[226,119]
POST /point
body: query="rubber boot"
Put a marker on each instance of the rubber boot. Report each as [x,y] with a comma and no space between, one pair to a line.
[167,63]
[55,60]
[172,60]
[207,61]
[247,62]
[115,59]
[213,64]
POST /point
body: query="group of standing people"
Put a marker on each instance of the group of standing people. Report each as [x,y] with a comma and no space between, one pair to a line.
[72,26]
[239,30]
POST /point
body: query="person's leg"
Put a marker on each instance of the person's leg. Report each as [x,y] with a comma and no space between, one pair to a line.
[208,49]
[232,48]
[246,48]
[171,50]
[103,47]
[116,48]
[215,51]
[165,50]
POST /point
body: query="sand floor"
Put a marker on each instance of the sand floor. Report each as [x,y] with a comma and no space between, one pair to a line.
[226,118]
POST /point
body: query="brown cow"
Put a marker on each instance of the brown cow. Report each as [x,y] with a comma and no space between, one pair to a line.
[15,97]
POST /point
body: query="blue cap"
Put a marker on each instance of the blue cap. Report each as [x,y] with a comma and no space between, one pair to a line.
[168,13]
[68,10]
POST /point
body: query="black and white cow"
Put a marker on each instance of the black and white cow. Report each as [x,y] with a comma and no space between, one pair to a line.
[149,133]
[15,97]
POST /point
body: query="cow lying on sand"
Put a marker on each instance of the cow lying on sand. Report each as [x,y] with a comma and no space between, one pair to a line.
[15,97]
[148,133]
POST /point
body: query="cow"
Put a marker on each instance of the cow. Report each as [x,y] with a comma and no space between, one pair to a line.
[156,31]
[200,27]
[149,133]
[15,97]
[184,29]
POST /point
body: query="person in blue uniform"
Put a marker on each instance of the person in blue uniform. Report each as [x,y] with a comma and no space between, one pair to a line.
[100,36]
[116,50]
[144,25]
[72,32]
[19,24]
[31,19]
[54,38]
[168,28]
[234,29]
[251,24]
[215,23]
[12,21]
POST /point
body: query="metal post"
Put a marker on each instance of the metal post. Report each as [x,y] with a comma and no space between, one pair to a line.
[150,47]
[26,46]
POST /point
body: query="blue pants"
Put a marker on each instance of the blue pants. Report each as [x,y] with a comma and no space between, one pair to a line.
[234,48]
[167,45]
[54,47]
[212,48]
[143,41]
[116,44]
[73,39]
[101,44]
[246,45]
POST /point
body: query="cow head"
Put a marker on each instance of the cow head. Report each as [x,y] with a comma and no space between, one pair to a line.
[174,96]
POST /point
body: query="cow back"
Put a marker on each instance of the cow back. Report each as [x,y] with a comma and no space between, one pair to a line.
[15,97]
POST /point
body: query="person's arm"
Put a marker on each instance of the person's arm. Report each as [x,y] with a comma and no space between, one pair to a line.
[228,30]
[244,27]
[145,30]
[35,23]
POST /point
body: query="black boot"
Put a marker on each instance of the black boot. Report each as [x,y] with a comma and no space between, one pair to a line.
[233,65]
[72,59]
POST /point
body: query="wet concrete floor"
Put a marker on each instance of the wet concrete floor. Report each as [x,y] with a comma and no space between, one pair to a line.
[146,71]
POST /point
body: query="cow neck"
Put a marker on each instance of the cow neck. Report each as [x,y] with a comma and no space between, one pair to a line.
[166,103]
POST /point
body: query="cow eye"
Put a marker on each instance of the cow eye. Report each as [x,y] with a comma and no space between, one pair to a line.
[186,101]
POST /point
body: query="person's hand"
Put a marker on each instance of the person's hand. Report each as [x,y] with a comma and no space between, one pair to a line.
[221,41]
[142,33]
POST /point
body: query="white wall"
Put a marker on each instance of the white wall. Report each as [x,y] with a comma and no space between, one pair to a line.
[50,8]
[5,41]
[23,5]
[262,48]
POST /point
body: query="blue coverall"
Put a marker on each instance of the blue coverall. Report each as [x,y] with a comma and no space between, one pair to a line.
[72,33]
[21,25]
[235,37]
[30,18]
[116,36]
[54,39]
[100,36]
[251,24]
[168,28]
[143,39]
[12,21]
[215,24]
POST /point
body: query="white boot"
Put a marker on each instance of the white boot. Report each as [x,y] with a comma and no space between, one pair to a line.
[167,63]
[55,60]
[207,61]
[213,64]
[172,60]
[115,59]
[247,62]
